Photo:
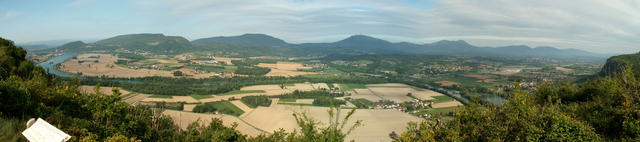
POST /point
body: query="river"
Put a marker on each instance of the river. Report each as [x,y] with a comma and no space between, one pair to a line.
[49,65]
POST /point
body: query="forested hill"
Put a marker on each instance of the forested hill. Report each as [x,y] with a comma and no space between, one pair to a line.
[153,43]
[615,64]
[265,45]
[246,39]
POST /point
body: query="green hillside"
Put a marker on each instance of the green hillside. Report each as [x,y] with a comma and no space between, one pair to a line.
[246,39]
[265,45]
[152,43]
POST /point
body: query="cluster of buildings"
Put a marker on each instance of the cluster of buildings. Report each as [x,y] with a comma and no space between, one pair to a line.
[153,67]
[212,61]
[445,68]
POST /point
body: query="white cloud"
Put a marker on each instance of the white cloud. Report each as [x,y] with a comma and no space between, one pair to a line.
[595,25]
[11,14]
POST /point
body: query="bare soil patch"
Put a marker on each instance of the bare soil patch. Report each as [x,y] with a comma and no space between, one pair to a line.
[446,104]
[285,69]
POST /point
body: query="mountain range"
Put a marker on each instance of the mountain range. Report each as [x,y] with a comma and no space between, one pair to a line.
[265,45]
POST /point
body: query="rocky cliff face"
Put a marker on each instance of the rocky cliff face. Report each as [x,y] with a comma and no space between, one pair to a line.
[615,64]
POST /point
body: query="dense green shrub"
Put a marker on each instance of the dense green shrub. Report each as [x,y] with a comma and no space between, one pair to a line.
[255,101]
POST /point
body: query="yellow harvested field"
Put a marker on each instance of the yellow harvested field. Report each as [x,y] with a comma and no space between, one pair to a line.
[393,91]
[129,97]
[173,99]
[335,85]
[261,87]
[378,123]
[183,119]
[304,101]
[364,94]
[320,86]
[272,90]
[135,98]
[285,69]
[104,90]
[241,105]
[446,104]
[276,92]
[189,107]
[393,94]
[106,66]
[300,87]
[563,69]
[426,94]
[227,97]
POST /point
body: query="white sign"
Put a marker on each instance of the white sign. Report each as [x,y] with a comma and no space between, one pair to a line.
[41,131]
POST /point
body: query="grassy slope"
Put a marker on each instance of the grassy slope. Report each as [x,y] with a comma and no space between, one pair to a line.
[349,87]
[226,104]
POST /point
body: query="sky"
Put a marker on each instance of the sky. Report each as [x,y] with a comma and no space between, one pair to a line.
[602,26]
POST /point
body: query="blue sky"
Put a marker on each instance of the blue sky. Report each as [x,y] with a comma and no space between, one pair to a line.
[605,26]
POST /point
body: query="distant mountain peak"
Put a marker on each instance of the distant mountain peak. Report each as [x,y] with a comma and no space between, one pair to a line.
[452,43]
[74,42]
[363,39]
[245,39]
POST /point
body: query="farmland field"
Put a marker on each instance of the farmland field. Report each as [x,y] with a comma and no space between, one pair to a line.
[285,69]
[235,92]
[349,87]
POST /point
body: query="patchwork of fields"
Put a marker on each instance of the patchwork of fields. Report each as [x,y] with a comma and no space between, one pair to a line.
[255,121]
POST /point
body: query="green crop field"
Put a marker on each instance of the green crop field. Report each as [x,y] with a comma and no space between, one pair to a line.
[224,107]
[349,87]
[198,97]
[443,98]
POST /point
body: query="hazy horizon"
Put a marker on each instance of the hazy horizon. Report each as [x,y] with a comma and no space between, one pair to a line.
[596,26]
